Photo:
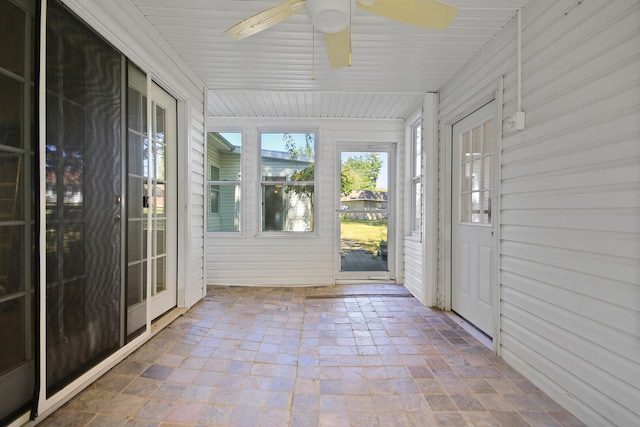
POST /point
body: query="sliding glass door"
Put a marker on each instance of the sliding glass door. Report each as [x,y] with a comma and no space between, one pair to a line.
[17,214]
[84,94]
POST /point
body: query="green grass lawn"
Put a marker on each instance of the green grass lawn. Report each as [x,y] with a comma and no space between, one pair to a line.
[367,232]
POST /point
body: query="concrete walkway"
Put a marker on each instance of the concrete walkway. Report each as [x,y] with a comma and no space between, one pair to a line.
[353,257]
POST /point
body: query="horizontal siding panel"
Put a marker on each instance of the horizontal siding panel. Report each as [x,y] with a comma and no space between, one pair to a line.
[622,196]
[626,220]
[590,361]
[548,362]
[623,245]
[617,151]
[531,295]
[616,317]
[582,274]
[413,264]
[573,143]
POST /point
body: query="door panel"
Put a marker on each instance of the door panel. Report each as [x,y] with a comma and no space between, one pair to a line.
[365,241]
[83,205]
[472,230]
[163,202]
[18,270]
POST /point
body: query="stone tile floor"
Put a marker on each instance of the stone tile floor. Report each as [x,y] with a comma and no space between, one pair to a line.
[341,356]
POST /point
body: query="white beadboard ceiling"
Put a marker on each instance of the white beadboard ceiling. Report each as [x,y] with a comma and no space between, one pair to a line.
[270,73]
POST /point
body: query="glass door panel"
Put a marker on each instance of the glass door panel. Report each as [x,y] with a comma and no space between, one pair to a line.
[83,205]
[364,214]
[18,271]
[163,203]
[137,202]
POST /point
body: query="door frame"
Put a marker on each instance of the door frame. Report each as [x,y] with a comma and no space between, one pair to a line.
[493,91]
[360,276]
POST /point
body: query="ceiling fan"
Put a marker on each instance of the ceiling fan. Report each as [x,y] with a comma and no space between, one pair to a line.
[333,18]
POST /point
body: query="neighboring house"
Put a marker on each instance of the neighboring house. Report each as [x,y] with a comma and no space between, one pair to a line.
[364,200]
[100,273]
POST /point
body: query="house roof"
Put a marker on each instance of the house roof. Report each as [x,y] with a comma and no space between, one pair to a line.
[370,195]
[284,72]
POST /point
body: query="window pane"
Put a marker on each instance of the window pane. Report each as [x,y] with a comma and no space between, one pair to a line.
[159,275]
[476,141]
[486,184]
[12,40]
[224,152]
[486,207]
[417,151]
[10,112]
[417,206]
[476,207]
[136,279]
[488,137]
[12,260]
[287,207]
[465,147]
[465,207]
[287,157]
[288,154]
[476,173]
[12,334]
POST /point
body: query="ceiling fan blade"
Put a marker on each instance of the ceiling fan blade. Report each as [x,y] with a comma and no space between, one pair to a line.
[422,13]
[339,48]
[265,19]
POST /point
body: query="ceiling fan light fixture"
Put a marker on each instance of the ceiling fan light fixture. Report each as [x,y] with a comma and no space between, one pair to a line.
[329,16]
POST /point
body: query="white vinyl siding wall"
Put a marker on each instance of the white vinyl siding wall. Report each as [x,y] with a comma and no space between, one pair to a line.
[195,205]
[254,258]
[570,202]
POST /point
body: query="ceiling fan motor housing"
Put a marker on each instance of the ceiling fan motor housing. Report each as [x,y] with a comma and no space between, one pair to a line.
[329,16]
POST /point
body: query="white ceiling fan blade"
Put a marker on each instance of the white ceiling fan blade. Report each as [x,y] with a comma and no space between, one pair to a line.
[339,48]
[422,13]
[265,19]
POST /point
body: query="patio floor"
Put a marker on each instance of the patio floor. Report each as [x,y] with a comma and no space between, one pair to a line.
[367,355]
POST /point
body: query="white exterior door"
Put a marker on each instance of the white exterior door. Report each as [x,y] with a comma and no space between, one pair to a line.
[163,201]
[365,225]
[473,251]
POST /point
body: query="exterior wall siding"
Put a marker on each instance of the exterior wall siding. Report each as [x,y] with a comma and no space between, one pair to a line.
[413,267]
[195,209]
[253,258]
[570,202]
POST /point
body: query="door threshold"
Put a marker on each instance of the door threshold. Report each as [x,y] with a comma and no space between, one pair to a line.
[390,281]
[471,329]
[167,318]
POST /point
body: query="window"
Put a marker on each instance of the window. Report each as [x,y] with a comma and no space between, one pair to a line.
[214,190]
[287,170]
[224,152]
[416,177]
[476,171]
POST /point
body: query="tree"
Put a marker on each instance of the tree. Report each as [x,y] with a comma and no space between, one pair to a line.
[306,174]
[363,171]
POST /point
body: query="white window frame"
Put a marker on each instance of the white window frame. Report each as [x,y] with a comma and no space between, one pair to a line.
[263,181]
[416,179]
